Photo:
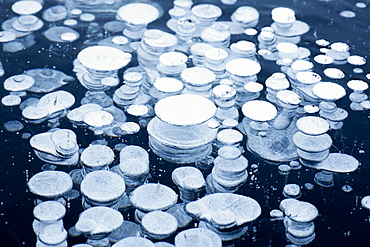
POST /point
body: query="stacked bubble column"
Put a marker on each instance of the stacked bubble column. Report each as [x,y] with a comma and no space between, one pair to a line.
[199,81]
[357,96]
[93,65]
[50,186]
[312,141]
[171,64]
[133,167]
[242,71]
[215,61]
[152,45]
[298,221]
[102,188]
[180,132]
[275,83]
[229,171]
[48,224]
[96,157]
[224,98]
[130,90]
[190,182]
[151,197]
[329,92]
[289,102]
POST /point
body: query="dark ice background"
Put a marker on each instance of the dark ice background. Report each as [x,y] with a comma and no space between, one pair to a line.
[342,221]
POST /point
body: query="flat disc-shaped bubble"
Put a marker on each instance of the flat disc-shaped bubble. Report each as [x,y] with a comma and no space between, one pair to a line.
[152,196]
[99,220]
[76,115]
[110,81]
[198,237]
[328,91]
[55,34]
[120,40]
[357,85]
[259,110]
[356,60]
[57,101]
[102,186]
[26,7]
[6,36]
[185,109]
[308,77]
[253,87]
[147,12]
[312,125]
[298,28]
[322,42]
[134,241]
[47,80]
[365,202]
[206,11]
[197,76]
[361,5]
[168,85]
[35,112]
[114,26]
[159,224]
[358,70]
[13,126]
[88,17]
[27,23]
[11,100]
[243,67]
[347,188]
[338,162]
[323,59]
[97,156]
[347,14]
[103,58]
[49,211]
[8,26]
[50,184]
[70,22]
[18,83]
[250,31]
[137,110]
[98,118]
[245,17]
[55,13]
[130,128]
[334,73]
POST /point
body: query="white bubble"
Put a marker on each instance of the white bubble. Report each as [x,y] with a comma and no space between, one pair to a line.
[323,59]
[69,36]
[361,5]
[334,73]
[324,50]
[70,22]
[347,14]
[250,31]
[347,188]
[358,71]
[13,126]
[11,100]
[322,42]
[356,60]
[87,17]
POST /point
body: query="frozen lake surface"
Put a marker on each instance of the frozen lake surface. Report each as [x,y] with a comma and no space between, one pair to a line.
[342,221]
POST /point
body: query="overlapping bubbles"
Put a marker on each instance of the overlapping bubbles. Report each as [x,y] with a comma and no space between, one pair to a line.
[195,99]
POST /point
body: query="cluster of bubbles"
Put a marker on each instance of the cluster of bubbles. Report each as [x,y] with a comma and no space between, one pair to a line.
[196,97]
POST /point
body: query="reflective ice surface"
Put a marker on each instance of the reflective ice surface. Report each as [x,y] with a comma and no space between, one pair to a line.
[342,220]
